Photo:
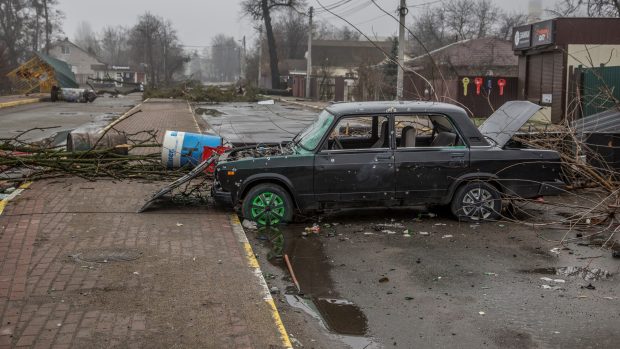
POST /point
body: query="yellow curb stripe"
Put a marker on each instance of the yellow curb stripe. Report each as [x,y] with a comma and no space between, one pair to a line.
[5,202]
[19,102]
[253,263]
[191,110]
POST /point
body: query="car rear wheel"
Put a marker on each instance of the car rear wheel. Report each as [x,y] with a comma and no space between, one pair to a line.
[267,204]
[477,201]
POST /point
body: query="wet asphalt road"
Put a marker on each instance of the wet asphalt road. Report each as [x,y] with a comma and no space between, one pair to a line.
[461,286]
[63,116]
[251,123]
[444,285]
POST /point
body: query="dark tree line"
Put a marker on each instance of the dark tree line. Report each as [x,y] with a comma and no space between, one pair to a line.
[25,25]
[152,43]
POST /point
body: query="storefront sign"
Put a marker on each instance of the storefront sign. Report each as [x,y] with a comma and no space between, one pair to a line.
[542,33]
[522,37]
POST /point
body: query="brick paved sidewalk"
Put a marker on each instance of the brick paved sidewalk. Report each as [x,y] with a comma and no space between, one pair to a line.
[191,286]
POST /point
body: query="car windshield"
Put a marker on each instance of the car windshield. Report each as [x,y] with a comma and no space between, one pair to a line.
[310,137]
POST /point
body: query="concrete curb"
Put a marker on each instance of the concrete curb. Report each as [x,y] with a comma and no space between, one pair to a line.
[19,102]
[253,264]
[5,202]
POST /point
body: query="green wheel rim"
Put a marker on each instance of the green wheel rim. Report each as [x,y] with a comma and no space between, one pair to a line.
[267,209]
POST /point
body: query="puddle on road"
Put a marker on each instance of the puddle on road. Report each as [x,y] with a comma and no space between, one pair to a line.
[311,267]
[208,112]
[588,274]
[310,308]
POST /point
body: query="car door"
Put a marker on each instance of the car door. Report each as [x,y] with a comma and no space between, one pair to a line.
[426,169]
[361,171]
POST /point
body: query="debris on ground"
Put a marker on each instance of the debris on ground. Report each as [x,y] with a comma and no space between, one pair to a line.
[248,224]
[384,280]
[589,287]
[315,228]
[448,236]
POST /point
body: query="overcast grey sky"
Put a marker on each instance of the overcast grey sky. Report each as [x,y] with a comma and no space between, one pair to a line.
[197,21]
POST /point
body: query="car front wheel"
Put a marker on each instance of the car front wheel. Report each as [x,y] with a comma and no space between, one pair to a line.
[267,204]
[477,201]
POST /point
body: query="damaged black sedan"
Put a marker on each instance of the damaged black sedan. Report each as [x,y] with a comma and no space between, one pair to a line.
[382,154]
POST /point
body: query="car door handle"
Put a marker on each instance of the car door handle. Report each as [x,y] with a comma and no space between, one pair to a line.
[457,155]
[383,157]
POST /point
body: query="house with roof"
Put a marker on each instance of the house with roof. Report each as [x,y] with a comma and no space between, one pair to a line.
[478,74]
[86,65]
[83,64]
[334,66]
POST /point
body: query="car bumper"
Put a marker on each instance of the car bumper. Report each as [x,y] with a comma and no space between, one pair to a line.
[220,196]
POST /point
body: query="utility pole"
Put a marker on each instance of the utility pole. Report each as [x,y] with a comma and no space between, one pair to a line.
[243,60]
[402,11]
[260,54]
[309,53]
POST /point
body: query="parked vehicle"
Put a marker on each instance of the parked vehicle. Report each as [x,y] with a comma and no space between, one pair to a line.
[390,154]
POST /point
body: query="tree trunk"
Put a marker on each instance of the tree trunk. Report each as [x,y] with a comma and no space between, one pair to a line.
[271,43]
[48,27]
[37,27]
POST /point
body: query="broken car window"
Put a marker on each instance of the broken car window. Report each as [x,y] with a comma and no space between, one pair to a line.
[357,133]
[310,137]
[425,131]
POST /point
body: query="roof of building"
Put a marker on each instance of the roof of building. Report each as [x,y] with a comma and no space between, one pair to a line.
[603,122]
[62,71]
[66,41]
[348,53]
[471,52]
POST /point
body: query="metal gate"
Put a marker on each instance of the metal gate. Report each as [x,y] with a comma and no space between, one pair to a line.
[600,89]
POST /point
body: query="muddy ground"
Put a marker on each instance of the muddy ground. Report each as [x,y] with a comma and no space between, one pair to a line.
[365,284]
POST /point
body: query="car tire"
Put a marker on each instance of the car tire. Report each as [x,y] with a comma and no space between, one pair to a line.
[476,201]
[267,204]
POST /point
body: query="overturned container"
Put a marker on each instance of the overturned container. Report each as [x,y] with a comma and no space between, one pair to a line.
[73,95]
[184,148]
[94,137]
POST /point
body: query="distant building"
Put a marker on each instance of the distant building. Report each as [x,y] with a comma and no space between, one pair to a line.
[570,66]
[83,63]
[334,65]
[86,65]
[120,74]
[478,74]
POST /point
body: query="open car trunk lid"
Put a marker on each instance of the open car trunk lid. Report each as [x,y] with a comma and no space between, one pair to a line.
[507,120]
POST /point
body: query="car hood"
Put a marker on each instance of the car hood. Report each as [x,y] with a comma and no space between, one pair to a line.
[507,120]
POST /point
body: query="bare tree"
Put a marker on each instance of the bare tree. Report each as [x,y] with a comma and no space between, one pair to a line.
[262,10]
[507,21]
[291,30]
[52,21]
[225,58]
[470,19]
[86,38]
[114,45]
[143,40]
[590,8]
[431,29]
[327,31]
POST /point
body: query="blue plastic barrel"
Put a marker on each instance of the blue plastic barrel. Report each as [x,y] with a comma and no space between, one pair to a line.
[183,148]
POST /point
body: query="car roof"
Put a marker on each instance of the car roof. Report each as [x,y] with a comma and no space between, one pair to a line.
[377,107]
[465,125]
